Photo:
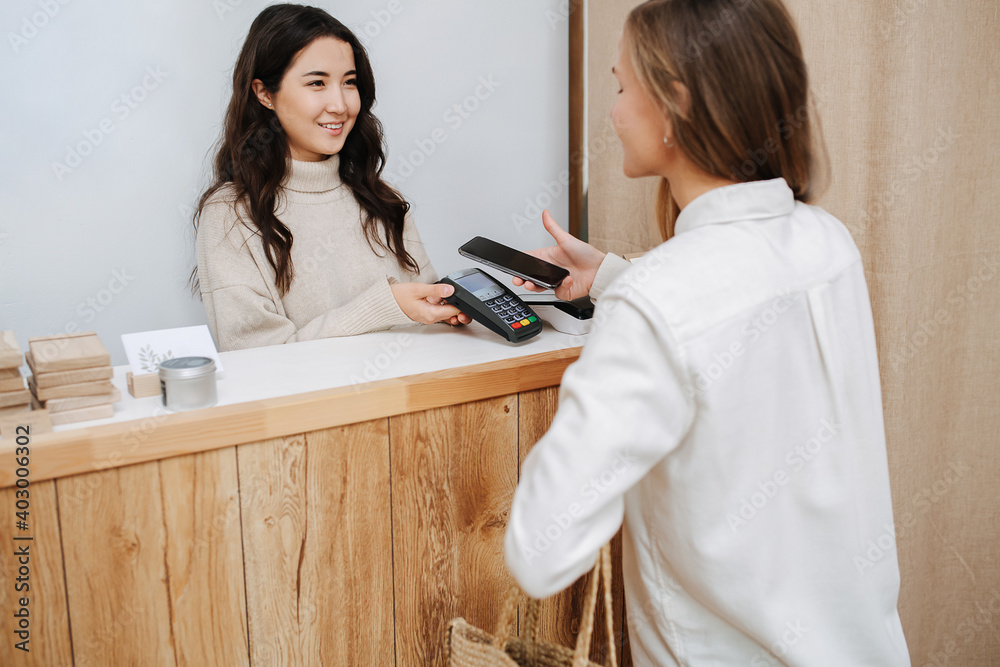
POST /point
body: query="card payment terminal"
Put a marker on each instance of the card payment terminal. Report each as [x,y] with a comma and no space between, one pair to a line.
[492,305]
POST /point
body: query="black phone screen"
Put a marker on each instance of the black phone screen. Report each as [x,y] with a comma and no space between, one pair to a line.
[514,262]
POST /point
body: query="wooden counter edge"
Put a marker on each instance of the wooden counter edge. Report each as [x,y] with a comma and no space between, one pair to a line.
[165,435]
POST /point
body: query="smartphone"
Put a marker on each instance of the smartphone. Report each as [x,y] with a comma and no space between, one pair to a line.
[514,262]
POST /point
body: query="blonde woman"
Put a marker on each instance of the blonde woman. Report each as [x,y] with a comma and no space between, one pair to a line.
[726,411]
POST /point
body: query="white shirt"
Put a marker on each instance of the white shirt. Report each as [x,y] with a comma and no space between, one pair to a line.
[727,410]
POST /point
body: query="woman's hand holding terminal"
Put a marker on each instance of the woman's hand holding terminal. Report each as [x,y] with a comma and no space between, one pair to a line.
[581,258]
[423,303]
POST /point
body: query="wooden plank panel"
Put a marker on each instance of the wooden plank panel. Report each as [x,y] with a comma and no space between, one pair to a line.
[16,397]
[114,545]
[36,421]
[618,593]
[84,449]
[82,414]
[561,614]
[67,352]
[15,410]
[11,380]
[49,640]
[453,475]
[10,351]
[317,547]
[205,558]
[95,388]
[67,377]
[62,404]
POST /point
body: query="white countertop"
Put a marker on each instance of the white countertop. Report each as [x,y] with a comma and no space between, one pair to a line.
[284,370]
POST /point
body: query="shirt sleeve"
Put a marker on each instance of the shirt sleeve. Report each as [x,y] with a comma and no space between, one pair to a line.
[622,408]
[611,267]
[243,306]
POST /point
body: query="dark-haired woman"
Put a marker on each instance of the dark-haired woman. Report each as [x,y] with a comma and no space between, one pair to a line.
[726,411]
[298,236]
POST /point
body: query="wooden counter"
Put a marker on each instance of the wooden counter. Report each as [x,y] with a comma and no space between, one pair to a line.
[333,527]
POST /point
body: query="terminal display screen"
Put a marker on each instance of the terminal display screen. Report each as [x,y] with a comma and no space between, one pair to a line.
[480,285]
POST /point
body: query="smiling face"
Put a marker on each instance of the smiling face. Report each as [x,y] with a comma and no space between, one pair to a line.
[638,123]
[317,102]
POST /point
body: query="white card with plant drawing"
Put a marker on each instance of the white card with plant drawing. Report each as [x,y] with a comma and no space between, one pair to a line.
[147,349]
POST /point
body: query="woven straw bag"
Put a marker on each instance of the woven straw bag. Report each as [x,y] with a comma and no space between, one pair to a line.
[468,646]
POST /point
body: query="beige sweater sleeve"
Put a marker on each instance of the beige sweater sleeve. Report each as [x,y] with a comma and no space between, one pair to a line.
[242,302]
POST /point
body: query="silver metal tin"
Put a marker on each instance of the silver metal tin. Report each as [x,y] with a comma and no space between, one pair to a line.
[188,383]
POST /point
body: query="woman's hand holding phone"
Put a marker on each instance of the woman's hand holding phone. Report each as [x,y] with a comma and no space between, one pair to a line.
[423,303]
[581,258]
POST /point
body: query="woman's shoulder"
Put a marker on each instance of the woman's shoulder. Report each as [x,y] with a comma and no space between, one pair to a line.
[222,211]
[225,196]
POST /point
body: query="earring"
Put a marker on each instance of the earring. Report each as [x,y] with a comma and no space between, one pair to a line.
[666,142]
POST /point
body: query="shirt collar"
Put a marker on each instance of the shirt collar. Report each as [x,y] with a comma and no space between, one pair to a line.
[321,176]
[755,200]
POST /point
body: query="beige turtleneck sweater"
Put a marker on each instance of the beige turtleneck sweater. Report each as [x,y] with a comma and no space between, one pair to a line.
[340,286]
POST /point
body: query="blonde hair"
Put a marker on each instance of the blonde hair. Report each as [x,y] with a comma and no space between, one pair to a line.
[747,114]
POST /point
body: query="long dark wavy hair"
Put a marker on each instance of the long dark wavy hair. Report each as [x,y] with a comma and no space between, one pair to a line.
[253,149]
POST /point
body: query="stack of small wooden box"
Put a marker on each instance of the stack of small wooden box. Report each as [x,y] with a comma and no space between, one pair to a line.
[14,398]
[71,377]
